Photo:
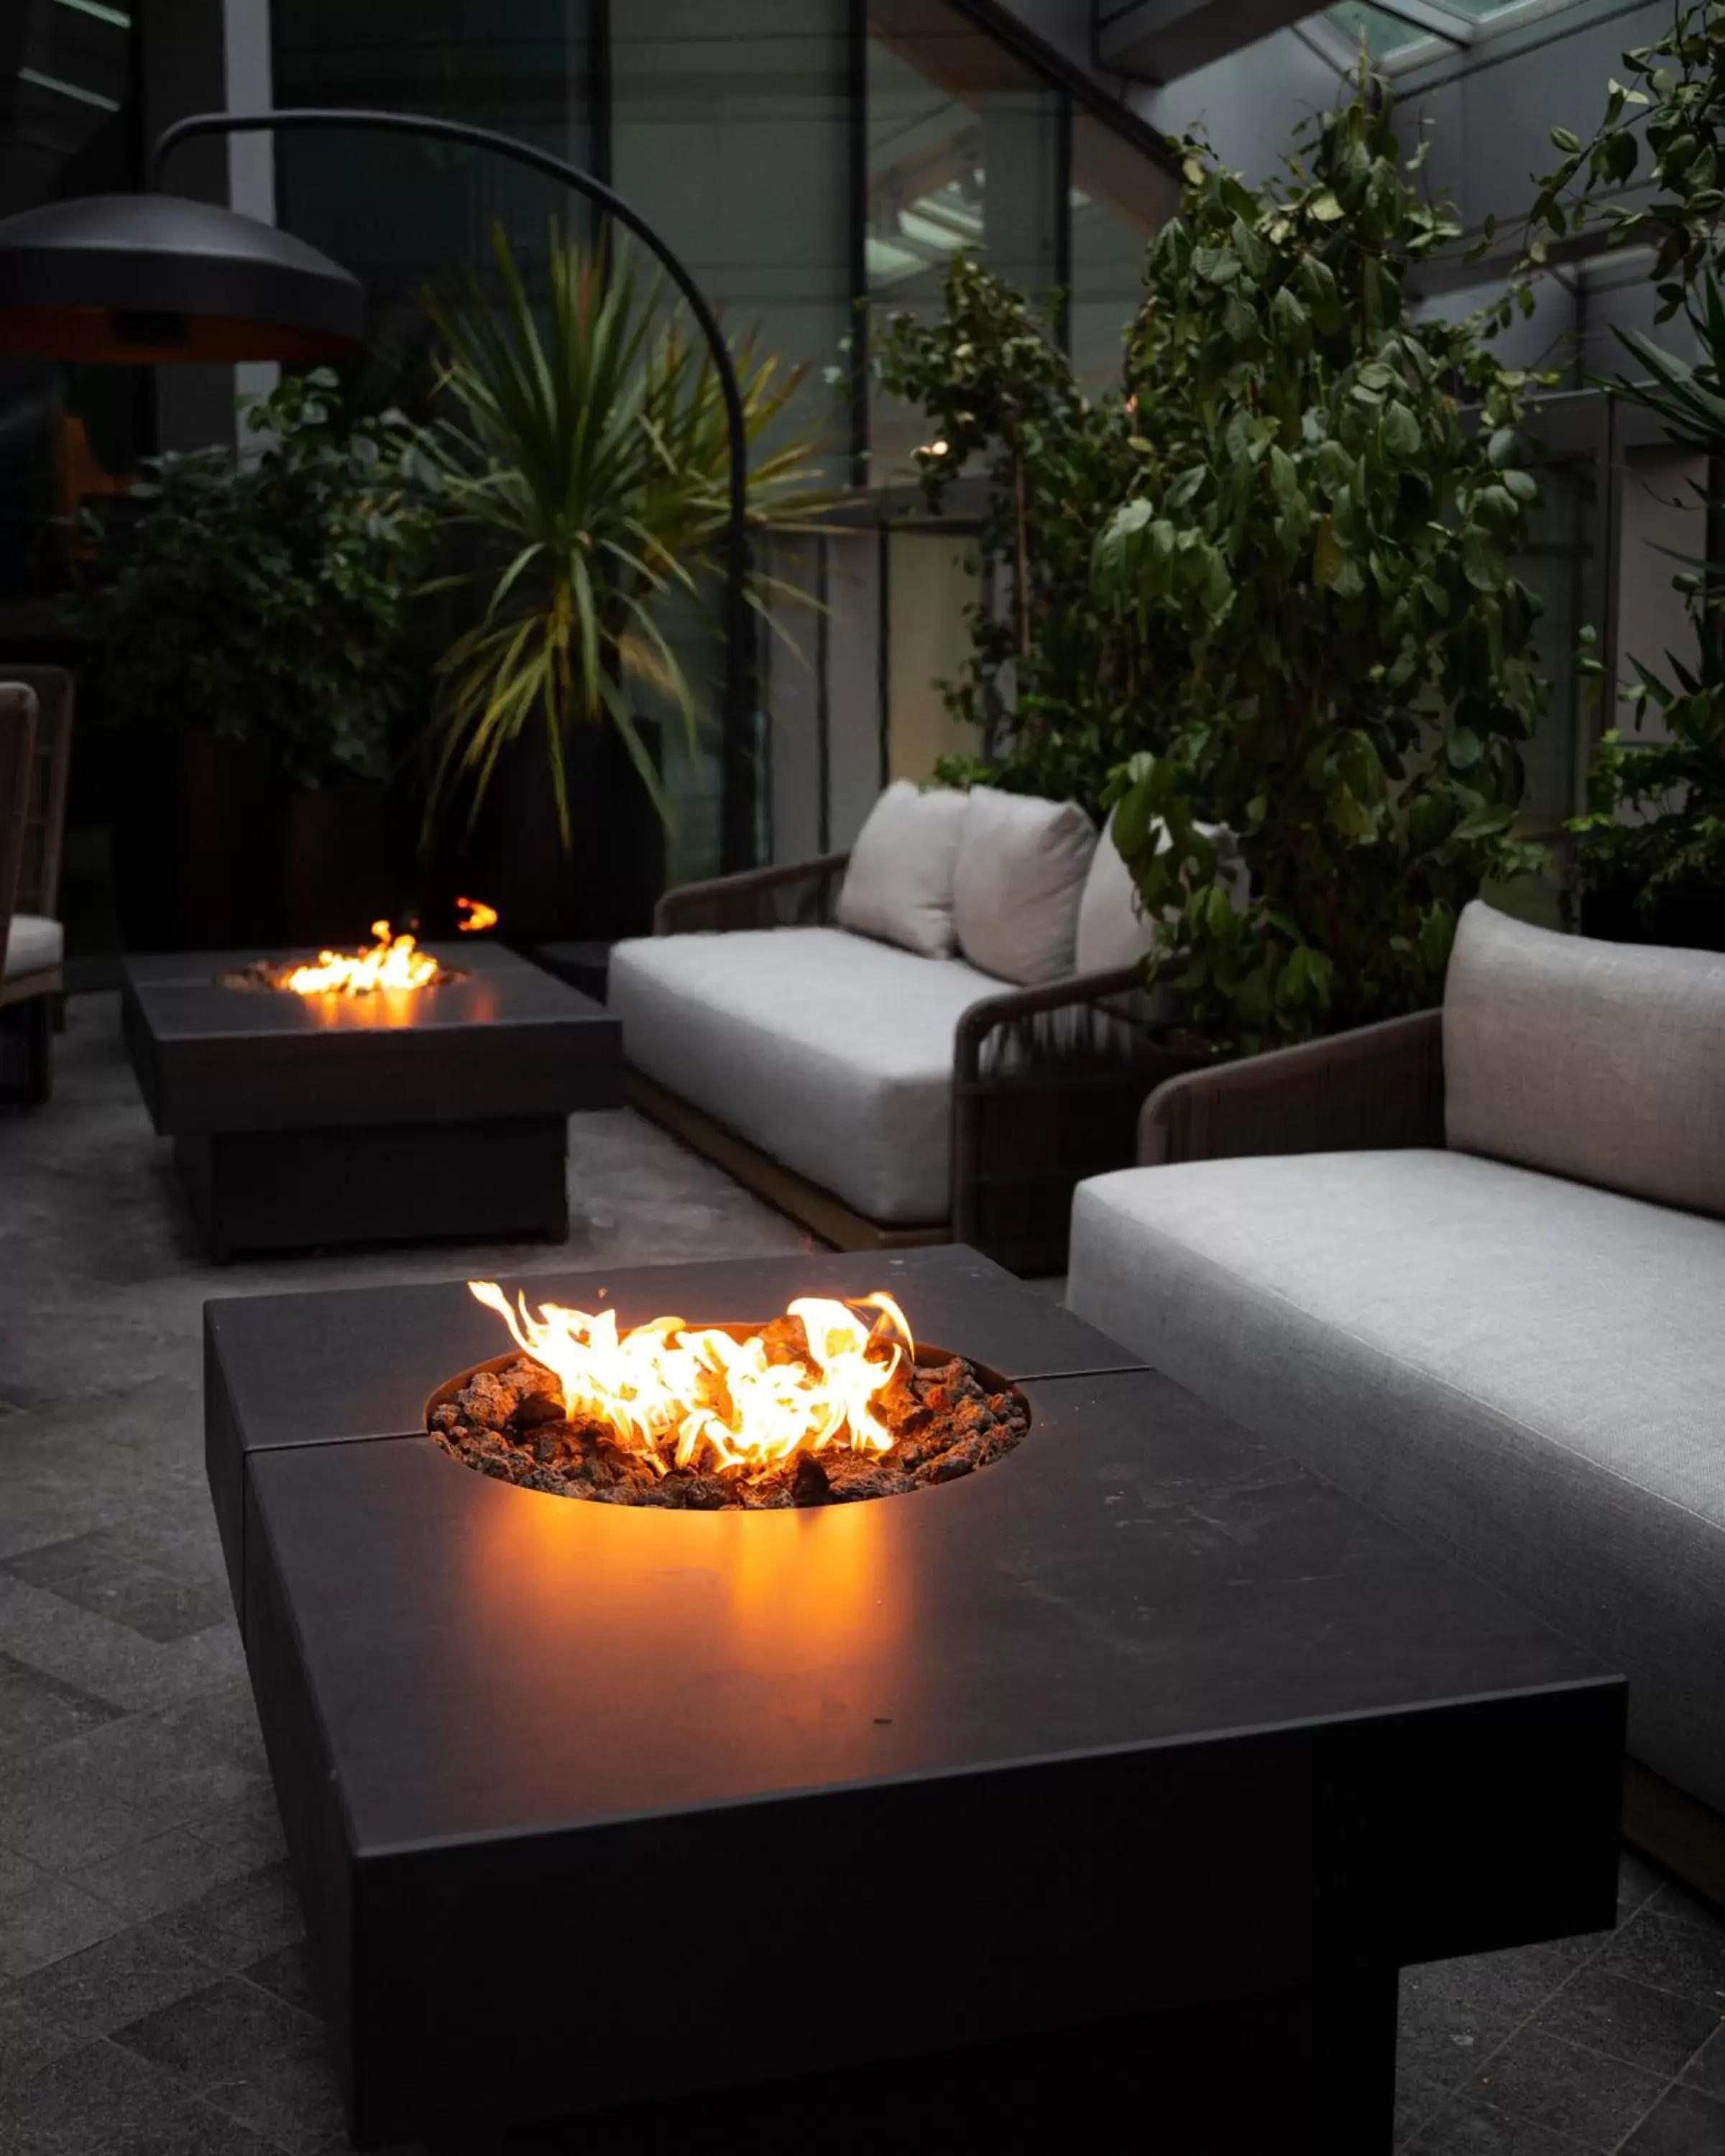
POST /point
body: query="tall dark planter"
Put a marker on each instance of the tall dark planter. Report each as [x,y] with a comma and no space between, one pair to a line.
[605,886]
[212,849]
[340,864]
[196,832]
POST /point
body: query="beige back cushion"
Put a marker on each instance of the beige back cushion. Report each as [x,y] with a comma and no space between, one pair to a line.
[1022,863]
[1605,1062]
[1113,928]
[898,885]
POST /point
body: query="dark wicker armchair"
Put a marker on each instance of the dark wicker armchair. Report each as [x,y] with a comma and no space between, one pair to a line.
[35,755]
[1047,1083]
[1377,1088]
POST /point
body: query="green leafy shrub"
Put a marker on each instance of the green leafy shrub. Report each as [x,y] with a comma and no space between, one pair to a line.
[1055,684]
[1317,551]
[265,597]
[1649,859]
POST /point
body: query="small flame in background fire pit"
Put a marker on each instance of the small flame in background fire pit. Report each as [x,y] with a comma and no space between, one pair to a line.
[704,1397]
[474,916]
[392,962]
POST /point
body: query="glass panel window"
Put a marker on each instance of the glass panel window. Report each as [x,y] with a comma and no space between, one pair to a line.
[1119,197]
[966,149]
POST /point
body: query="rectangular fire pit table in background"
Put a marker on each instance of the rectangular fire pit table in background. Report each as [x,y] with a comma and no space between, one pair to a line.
[1116,1780]
[305,1120]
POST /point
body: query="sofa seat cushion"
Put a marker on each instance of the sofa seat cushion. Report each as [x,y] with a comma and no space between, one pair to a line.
[831,1053]
[1527,1372]
[33,945]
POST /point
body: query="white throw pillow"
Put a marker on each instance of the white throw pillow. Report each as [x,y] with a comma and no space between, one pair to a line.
[1021,869]
[1113,928]
[899,884]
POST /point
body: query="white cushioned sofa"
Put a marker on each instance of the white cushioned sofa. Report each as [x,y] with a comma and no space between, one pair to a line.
[1470,1265]
[928,1038]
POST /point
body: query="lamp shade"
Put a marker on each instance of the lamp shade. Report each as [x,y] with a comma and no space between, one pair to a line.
[150,278]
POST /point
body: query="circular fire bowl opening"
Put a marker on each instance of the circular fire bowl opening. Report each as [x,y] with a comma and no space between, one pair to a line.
[947,1417]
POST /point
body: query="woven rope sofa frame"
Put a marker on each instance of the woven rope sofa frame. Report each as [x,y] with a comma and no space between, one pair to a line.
[35,767]
[1047,1084]
[1375,1088]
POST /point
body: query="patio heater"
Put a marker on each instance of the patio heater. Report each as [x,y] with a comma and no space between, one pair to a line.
[153,278]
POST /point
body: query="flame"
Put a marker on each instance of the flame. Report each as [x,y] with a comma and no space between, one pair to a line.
[475,915]
[392,962]
[707,1398]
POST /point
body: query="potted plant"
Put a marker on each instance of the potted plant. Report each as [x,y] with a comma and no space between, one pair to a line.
[584,464]
[246,624]
[1317,550]
[1648,863]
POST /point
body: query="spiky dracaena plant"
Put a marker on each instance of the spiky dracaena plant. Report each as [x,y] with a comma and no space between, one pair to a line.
[1319,548]
[586,451]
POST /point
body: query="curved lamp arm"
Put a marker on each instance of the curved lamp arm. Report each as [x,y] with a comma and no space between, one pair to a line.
[736,820]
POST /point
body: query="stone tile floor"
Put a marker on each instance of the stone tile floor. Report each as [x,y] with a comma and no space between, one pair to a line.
[154,1995]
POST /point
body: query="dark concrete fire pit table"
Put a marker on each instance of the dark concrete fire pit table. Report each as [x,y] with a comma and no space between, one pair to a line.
[300,1121]
[1116,1781]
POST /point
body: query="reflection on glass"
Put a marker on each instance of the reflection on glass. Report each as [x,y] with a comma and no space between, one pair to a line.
[965,150]
[1118,200]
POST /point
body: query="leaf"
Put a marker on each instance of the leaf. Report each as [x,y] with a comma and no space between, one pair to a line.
[1328,558]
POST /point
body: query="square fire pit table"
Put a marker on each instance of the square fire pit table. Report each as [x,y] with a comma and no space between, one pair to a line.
[1124,1773]
[299,1121]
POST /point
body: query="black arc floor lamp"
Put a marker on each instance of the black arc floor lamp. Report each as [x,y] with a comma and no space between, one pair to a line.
[153,278]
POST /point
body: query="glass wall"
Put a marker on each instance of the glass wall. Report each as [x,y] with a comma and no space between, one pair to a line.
[816,165]
[966,150]
[400,212]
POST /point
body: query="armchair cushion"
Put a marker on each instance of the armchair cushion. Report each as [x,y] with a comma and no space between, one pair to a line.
[33,945]
[899,884]
[1022,864]
[1524,1371]
[829,1052]
[1602,1061]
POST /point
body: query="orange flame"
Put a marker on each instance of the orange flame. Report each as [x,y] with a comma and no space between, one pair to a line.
[392,962]
[710,1398]
[475,915]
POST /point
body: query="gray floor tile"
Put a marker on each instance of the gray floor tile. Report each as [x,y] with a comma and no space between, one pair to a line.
[1654,2030]
[1498,1987]
[163,1767]
[37,1710]
[1440,2040]
[29,2039]
[50,1920]
[234,1925]
[1685,2123]
[106,1986]
[159,1875]
[18,1875]
[1593,2099]
[1670,1953]
[104,2101]
[1707,2068]
[250,2055]
[1474,2129]
[288,1974]
[52,1812]
[217,2033]
[250,1830]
